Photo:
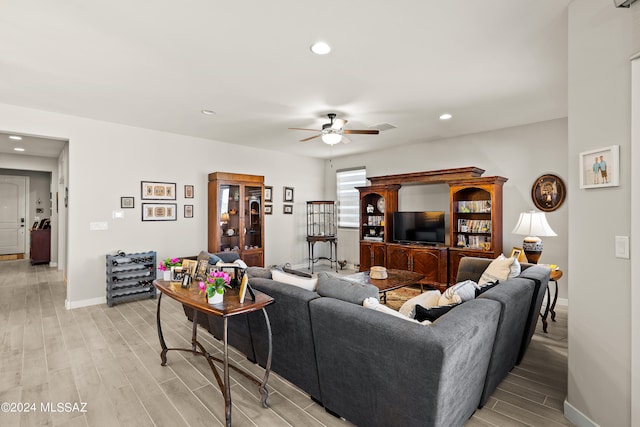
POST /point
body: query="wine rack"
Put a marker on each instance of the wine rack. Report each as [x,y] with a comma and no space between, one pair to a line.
[130,277]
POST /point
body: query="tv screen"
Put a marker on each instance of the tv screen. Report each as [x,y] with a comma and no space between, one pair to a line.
[419,227]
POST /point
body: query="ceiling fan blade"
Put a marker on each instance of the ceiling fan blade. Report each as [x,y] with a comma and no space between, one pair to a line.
[311,137]
[312,130]
[338,123]
[345,140]
[362,132]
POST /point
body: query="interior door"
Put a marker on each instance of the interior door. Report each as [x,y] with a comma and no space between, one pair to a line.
[12,214]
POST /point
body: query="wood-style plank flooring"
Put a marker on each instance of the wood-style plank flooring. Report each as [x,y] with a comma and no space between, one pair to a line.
[109,359]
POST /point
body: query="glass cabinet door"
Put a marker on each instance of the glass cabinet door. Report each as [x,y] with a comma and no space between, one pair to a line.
[229,214]
[253,217]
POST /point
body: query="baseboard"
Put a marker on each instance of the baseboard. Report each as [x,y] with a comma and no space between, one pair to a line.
[576,417]
[69,305]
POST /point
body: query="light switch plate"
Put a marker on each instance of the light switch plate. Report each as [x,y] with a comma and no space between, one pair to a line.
[622,247]
[98,226]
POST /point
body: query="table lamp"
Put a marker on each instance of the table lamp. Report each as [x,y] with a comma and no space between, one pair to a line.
[533,224]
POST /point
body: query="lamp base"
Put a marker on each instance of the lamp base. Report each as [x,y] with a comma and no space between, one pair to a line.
[532,247]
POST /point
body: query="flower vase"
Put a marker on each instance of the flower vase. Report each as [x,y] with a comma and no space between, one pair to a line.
[166,275]
[216,298]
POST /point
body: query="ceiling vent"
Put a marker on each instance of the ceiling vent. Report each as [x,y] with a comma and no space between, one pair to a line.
[383,126]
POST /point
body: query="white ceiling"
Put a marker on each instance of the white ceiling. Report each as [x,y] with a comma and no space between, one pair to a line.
[490,63]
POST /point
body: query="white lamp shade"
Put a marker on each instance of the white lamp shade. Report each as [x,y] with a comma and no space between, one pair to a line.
[533,224]
[331,138]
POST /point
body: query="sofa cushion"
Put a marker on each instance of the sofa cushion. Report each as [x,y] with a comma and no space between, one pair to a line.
[292,279]
[499,269]
[425,299]
[262,272]
[485,288]
[432,313]
[465,290]
[344,289]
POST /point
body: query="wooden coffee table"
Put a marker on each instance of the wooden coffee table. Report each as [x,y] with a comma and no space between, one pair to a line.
[396,279]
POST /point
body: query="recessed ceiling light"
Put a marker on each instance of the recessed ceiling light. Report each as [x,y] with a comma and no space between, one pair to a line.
[18,149]
[320,48]
[445,116]
[208,112]
[16,137]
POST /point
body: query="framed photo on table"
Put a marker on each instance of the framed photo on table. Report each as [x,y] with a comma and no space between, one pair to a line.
[600,167]
[518,253]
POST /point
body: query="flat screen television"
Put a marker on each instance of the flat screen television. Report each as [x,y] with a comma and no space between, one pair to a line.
[419,227]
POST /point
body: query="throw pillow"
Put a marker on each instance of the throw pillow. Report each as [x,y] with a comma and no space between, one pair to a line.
[445,300]
[426,299]
[344,289]
[465,290]
[485,288]
[374,304]
[433,313]
[499,269]
[291,279]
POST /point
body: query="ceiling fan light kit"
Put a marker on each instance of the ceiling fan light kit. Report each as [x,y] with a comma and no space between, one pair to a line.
[332,132]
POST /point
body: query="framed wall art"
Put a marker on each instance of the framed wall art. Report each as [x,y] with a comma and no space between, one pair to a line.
[268,209]
[288,209]
[127,202]
[268,194]
[188,211]
[158,190]
[600,167]
[159,212]
[188,191]
[288,195]
[548,192]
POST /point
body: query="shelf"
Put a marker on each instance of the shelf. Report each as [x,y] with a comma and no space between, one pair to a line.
[130,276]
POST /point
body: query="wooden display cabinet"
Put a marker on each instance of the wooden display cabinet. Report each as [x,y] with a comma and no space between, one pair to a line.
[377,205]
[431,261]
[372,254]
[236,215]
[475,219]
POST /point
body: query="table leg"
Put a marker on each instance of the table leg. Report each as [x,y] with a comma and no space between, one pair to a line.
[163,353]
[194,331]
[555,299]
[264,392]
[335,258]
[227,385]
[546,311]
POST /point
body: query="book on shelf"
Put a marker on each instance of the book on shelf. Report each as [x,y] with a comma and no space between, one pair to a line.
[372,238]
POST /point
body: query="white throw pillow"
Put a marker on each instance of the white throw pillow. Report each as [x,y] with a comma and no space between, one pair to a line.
[426,299]
[374,304]
[309,284]
[448,300]
[499,269]
[465,290]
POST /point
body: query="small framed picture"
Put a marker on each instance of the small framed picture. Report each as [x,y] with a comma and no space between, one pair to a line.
[518,253]
[287,209]
[188,191]
[158,190]
[188,211]
[268,194]
[189,266]
[159,212]
[126,202]
[177,274]
[288,194]
[268,209]
[600,167]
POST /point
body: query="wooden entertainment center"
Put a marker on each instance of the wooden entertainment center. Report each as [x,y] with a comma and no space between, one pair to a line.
[475,223]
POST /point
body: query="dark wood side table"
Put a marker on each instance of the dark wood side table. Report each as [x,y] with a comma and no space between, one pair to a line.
[551,305]
[230,306]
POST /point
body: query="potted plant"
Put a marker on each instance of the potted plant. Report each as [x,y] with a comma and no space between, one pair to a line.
[165,266]
[215,285]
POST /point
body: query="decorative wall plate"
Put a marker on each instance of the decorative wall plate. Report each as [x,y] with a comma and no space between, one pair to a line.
[381,204]
[548,192]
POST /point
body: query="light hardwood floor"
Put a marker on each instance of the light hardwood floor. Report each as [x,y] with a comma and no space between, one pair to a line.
[109,359]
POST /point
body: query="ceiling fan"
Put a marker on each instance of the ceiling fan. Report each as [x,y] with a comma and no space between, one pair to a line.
[332,132]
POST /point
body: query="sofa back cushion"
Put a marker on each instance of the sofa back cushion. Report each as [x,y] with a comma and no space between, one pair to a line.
[295,280]
[344,289]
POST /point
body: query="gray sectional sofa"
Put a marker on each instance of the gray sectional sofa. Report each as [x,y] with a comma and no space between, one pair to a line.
[378,370]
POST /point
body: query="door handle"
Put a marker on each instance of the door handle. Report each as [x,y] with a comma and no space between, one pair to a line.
[21,222]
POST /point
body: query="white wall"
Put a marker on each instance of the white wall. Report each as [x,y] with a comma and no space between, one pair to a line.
[601,42]
[107,161]
[520,154]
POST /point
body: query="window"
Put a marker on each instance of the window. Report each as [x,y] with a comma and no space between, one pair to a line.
[348,197]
